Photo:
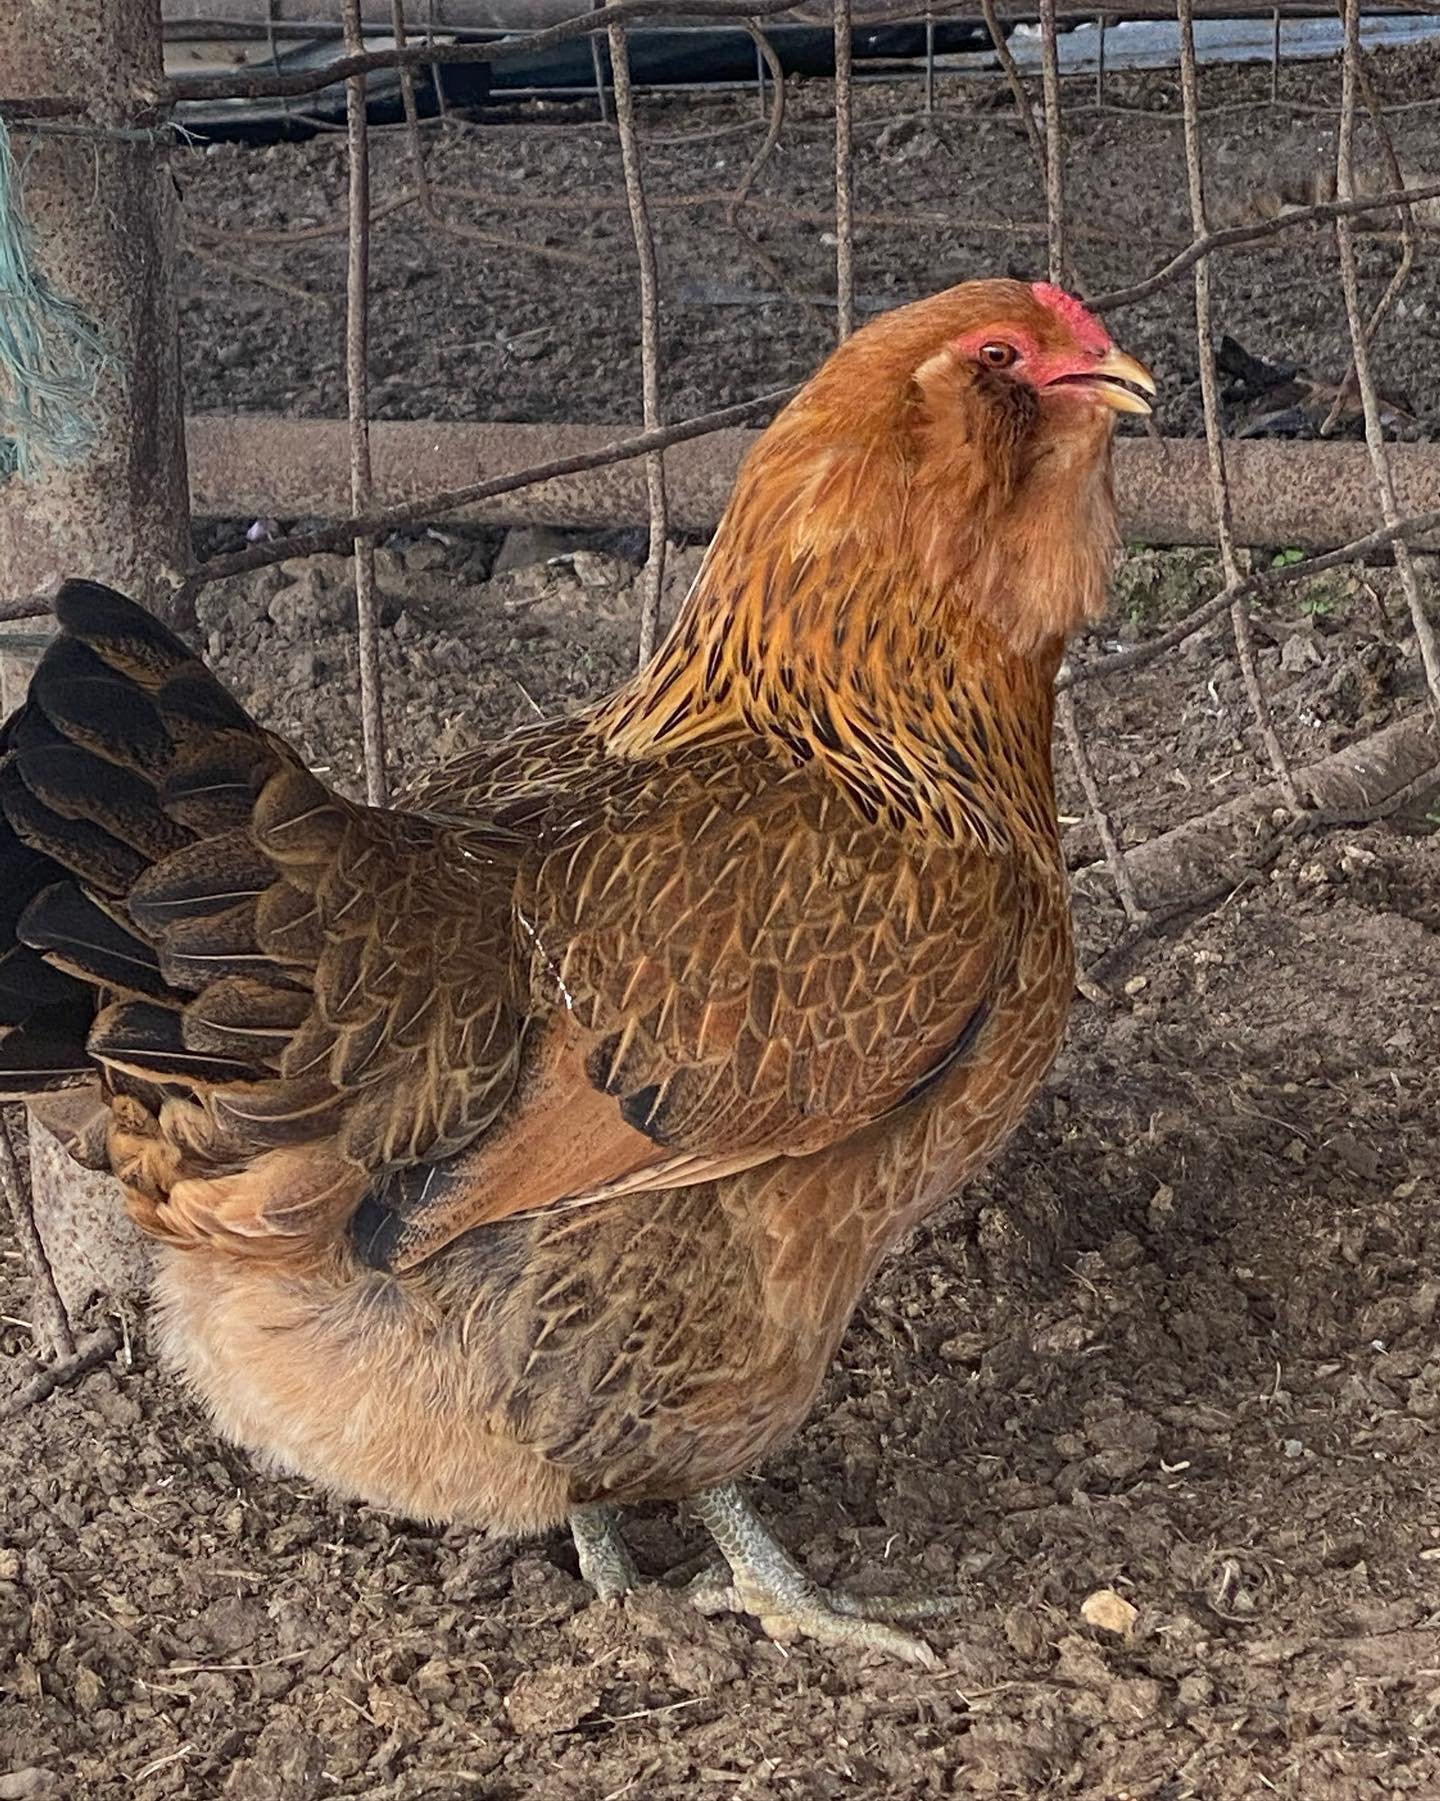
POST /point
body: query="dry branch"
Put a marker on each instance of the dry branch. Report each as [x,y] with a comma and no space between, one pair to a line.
[1362,783]
[99,1347]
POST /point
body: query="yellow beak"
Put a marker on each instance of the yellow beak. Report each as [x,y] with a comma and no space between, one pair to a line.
[1121,382]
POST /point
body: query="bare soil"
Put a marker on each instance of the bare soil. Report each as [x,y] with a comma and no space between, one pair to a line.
[1180,1342]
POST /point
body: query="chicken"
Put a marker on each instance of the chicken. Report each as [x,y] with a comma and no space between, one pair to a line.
[522,1151]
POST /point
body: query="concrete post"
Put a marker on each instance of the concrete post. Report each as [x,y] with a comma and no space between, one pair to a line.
[102,215]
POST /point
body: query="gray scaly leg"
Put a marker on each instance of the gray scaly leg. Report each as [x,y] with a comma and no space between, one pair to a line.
[765,1581]
[605,1561]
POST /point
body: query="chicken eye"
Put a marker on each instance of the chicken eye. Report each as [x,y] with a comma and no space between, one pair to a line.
[999,356]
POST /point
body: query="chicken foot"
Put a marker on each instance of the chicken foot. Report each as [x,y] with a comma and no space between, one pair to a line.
[766,1582]
[757,1576]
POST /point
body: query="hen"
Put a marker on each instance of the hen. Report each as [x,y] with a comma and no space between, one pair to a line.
[525,1149]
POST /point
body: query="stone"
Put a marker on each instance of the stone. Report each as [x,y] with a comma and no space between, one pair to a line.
[1299,653]
[1109,1612]
[525,545]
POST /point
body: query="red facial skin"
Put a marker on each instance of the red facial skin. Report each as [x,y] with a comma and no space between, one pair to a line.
[1084,341]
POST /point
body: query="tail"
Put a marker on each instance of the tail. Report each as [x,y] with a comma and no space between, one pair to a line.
[279,988]
[125,752]
[128,881]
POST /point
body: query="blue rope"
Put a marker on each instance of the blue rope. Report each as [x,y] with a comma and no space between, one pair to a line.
[51,356]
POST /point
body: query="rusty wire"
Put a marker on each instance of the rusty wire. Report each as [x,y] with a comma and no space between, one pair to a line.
[277,284]
[1360,347]
[1053,170]
[1236,237]
[1100,816]
[1014,80]
[1205,243]
[380,520]
[844,174]
[500,201]
[1258,582]
[1049,151]
[740,198]
[597,64]
[1100,101]
[653,577]
[394,518]
[1347,389]
[1214,435]
[357,331]
[424,193]
[385,209]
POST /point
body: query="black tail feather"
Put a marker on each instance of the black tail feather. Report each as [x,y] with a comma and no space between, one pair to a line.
[149,1040]
[125,754]
[85,940]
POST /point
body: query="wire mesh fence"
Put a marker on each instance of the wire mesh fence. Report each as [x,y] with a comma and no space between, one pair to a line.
[1368,218]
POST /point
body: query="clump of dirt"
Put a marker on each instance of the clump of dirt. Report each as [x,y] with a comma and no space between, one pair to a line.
[1180,1344]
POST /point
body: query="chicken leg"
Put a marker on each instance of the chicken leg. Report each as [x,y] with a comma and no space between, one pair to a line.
[767,1583]
[759,1577]
[605,1560]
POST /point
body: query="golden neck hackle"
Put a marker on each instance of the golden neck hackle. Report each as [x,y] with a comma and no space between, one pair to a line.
[892,601]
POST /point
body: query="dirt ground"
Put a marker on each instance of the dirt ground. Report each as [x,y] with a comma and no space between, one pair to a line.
[461,331]
[1180,1342]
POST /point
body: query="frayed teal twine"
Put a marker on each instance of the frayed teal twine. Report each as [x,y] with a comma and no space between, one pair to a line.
[51,356]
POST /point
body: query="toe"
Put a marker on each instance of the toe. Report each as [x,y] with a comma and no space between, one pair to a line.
[893,1607]
[828,1628]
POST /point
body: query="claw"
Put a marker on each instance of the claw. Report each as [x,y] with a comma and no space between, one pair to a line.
[755,1575]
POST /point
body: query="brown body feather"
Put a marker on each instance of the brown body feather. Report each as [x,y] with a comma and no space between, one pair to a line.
[531,1144]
